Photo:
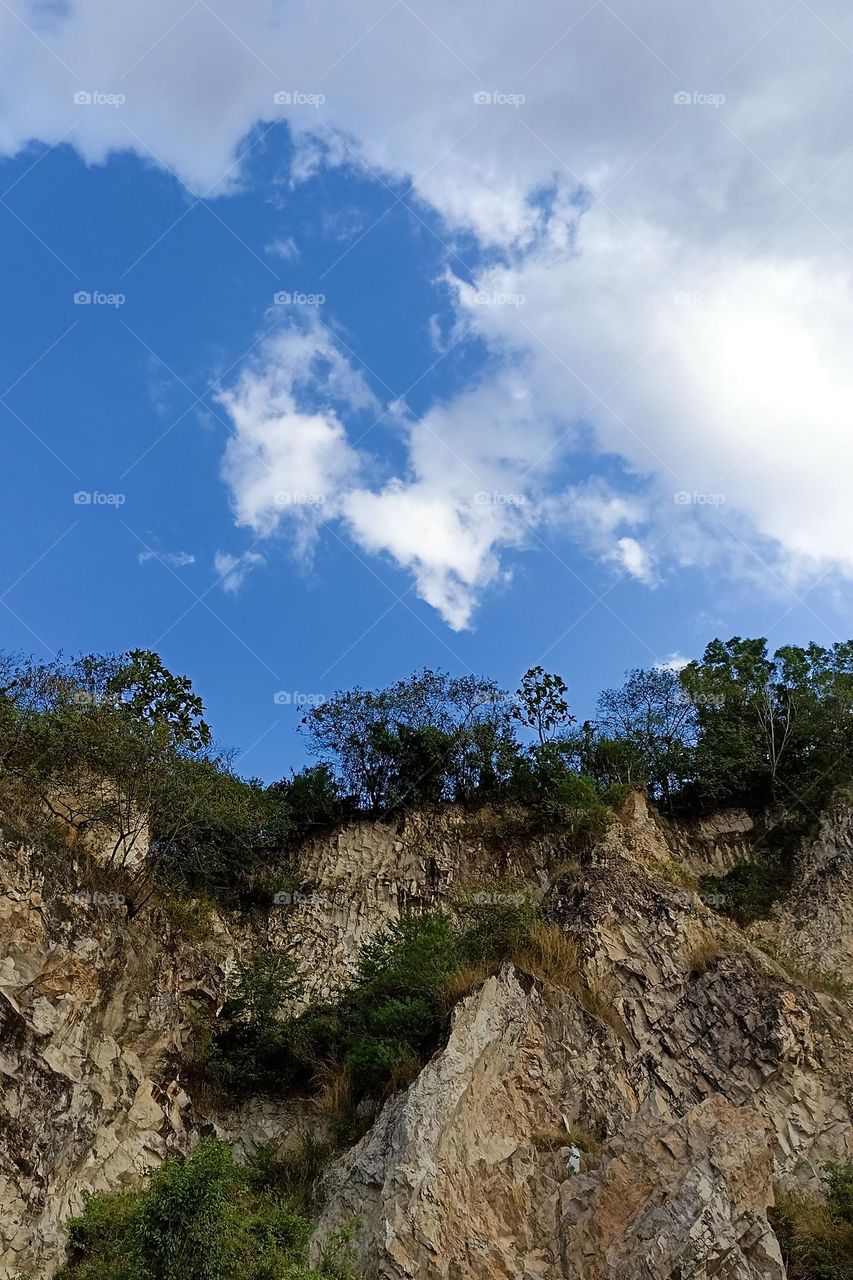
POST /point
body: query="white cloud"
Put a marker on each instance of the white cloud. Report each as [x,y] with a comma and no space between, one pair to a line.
[635,560]
[174,559]
[232,571]
[675,662]
[284,247]
[684,265]
[289,458]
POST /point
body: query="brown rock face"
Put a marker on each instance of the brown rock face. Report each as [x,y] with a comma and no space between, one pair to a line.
[625,1121]
[684,1197]
[627,1127]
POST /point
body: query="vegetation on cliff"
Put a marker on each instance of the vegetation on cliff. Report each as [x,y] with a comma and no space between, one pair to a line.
[203,1218]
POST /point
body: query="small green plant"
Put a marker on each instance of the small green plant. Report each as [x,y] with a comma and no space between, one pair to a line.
[816,1236]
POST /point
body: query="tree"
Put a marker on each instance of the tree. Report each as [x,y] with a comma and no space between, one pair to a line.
[747,705]
[646,730]
[430,737]
[541,703]
[150,693]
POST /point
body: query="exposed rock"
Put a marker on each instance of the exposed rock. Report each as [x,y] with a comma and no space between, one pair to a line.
[812,927]
[707,1075]
[684,1197]
[700,1069]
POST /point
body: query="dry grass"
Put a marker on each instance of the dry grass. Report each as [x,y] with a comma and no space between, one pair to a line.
[403,1073]
[334,1097]
[554,1139]
[549,1139]
[815,1242]
[464,981]
[703,953]
[675,872]
[551,955]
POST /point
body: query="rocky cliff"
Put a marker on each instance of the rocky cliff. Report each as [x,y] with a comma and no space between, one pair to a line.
[626,1117]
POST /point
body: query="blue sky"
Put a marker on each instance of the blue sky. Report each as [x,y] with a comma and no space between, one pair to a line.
[491,428]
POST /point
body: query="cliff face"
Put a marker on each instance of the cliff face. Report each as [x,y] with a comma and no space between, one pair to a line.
[627,1120]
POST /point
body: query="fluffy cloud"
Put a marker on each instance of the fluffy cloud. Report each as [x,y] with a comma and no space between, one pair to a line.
[289,458]
[666,205]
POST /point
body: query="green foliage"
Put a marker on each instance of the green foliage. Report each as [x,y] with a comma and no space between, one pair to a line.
[180,1229]
[431,737]
[541,703]
[266,981]
[250,1039]
[149,693]
[545,779]
[646,731]
[816,1237]
[750,889]
[392,1016]
[311,799]
[199,1219]
[495,921]
[771,728]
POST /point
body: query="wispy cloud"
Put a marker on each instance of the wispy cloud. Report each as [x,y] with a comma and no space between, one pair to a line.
[233,570]
[174,559]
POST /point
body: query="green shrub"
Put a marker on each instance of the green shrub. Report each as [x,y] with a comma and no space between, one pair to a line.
[392,1016]
[200,1219]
